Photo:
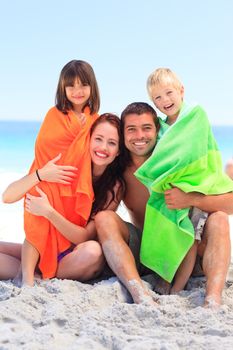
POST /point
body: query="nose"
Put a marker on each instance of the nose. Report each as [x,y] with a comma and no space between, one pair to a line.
[104,146]
[165,99]
[139,134]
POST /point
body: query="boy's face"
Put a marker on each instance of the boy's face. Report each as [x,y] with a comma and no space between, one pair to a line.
[168,99]
[140,134]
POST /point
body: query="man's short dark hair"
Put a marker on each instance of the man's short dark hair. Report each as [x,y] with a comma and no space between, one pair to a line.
[139,108]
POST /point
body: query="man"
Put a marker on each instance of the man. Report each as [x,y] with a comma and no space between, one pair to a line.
[140,127]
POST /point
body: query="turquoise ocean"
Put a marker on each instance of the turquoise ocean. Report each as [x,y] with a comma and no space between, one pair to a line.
[17,140]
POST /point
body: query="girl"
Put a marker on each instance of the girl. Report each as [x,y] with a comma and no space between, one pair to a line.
[65,130]
[83,259]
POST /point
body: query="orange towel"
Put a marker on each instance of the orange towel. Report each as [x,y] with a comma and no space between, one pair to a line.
[63,134]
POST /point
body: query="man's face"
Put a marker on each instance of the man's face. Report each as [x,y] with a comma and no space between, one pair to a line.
[140,134]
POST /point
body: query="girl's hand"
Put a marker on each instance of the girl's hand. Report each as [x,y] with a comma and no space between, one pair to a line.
[63,174]
[82,119]
[38,206]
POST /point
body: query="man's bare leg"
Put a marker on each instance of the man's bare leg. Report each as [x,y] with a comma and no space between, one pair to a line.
[113,235]
[30,258]
[215,249]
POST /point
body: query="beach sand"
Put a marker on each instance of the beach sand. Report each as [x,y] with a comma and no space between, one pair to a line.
[64,314]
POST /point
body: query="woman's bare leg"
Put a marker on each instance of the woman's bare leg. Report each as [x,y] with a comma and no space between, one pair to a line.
[10,257]
[84,263]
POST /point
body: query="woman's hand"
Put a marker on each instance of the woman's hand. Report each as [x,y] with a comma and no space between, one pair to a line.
[38,206]
[63,174]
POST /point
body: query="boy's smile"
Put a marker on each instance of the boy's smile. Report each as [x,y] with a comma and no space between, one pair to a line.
[168,99]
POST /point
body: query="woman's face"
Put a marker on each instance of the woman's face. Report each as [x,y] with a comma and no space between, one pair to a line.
[104,145]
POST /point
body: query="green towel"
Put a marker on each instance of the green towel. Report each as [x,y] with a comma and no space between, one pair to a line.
[186,157]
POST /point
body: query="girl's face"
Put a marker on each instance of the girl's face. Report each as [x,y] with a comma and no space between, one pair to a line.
[78,94]
[104,145]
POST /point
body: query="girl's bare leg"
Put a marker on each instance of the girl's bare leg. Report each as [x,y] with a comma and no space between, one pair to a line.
[30,256]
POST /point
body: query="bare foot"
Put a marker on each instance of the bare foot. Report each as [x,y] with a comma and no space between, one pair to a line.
[212,302]
[27,280]
[17,281]
[140,294]
[162,287]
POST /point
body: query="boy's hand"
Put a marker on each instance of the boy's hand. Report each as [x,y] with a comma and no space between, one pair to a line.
[177,199]
[63,174]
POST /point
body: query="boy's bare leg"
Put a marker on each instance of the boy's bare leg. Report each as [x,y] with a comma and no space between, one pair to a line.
[185,269]
[30,258]
[215,249]
[113,235]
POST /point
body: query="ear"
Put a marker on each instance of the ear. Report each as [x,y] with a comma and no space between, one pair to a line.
[182,91]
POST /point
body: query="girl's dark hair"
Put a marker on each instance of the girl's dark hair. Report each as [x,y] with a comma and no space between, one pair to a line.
[70,72]
[114,171]
[135,108]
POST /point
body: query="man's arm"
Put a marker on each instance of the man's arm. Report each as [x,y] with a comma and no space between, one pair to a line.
[177,199]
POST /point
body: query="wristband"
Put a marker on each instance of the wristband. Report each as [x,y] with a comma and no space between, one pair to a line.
[38,176]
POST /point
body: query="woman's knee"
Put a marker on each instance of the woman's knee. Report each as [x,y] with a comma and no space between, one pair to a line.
[91,252]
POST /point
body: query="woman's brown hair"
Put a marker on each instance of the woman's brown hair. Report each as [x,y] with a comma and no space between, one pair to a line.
[72,71]
[105,184]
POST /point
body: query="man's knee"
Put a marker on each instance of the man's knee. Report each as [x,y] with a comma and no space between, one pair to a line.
[218,225]
[104,217]
[109,225]
[220,219]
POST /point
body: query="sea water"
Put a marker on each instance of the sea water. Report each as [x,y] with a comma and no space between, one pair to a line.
[17,139]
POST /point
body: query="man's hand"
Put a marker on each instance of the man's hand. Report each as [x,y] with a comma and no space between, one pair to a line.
[177,199]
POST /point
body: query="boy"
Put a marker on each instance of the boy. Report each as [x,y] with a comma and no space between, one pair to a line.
[176,162]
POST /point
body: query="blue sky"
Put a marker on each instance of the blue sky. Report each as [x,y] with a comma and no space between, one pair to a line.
[124,41]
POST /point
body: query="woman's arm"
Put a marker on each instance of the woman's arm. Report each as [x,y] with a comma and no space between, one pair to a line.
[177,199]
[51,172]
[40,206]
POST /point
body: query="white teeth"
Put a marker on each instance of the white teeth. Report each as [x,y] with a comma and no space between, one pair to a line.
[140,143]
[167,107]
[101,155]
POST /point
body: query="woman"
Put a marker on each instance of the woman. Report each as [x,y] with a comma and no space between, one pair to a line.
[83,260]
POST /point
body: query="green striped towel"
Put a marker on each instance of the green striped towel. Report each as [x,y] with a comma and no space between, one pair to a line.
[186,157]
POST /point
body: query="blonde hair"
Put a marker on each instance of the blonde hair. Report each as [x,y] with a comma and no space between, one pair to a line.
[162,76]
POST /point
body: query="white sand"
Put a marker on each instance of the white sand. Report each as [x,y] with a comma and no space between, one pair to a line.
[66,314]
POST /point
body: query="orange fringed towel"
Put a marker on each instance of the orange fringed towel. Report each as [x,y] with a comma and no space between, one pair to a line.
[63,134]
